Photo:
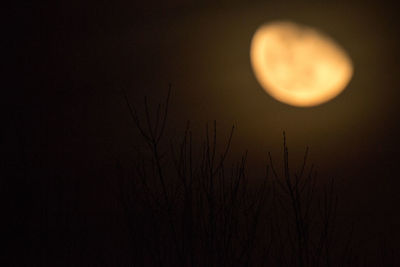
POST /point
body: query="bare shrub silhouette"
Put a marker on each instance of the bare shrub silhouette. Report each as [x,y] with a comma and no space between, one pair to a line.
[186,205]
[306,213]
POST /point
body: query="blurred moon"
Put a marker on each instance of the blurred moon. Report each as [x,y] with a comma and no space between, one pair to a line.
[299,65]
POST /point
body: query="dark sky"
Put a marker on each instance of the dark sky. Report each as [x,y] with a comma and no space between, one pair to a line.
[68,114]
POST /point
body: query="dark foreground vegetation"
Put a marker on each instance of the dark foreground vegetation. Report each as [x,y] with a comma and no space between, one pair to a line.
[184,202]
[185,205]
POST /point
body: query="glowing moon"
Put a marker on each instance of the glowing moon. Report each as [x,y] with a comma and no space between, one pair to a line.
[299,65]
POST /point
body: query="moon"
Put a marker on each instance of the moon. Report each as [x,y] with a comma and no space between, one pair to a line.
[299,65]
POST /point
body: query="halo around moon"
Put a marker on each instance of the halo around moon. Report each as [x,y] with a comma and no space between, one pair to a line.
[299,65]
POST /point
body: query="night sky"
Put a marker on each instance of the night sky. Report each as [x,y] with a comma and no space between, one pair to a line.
[67,122]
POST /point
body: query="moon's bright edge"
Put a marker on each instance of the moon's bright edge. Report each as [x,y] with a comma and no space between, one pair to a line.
[299,65]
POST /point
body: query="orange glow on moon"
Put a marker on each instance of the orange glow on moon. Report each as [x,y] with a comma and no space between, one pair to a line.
[299,65]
